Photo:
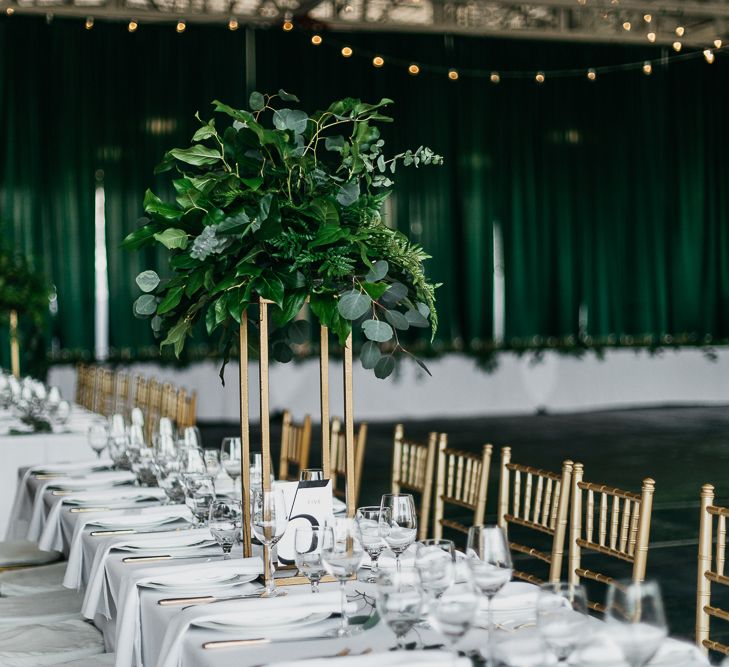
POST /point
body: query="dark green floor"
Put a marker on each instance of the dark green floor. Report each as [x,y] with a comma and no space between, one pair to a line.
[681,448]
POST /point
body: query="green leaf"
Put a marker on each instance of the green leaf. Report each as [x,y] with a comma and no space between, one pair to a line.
[225,283]
[353,304]
[335,144]
[287,97]
[422,365]
[299,332]
[377,331]
[292,305]
[236,303]
[290,119]
[176,336]
[155,206]
[141,236]
[172,238]
[415,319]
[270,287]
[247,269]
[375,290]
[205,132]
[348,193]
[384,367]
[423,309]
[197,155]
[210,319]
[156,324]
[221,310]
[253,183]
[234,224]
[397,319]
[369,355]
[256,101]
[396,293]
[324,210]
[194,282]
[145,305]
[282,352]
[241,116]
[171,300]
[378,271]
[147,281]
[328,234]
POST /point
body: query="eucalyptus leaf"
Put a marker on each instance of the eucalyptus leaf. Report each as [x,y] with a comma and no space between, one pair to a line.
[378,271]
[377,331]
[287,97]
[290,119]
[353,304]
[422,365]
[334,143]
[396,293]
[348,193]
[369,355]
[384,367]
[397,319]
[416,319]
[156,324]
[145,305]
[147,281]
[256,101]
[423,309]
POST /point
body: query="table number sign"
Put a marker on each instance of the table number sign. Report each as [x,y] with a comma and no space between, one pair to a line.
[309,504]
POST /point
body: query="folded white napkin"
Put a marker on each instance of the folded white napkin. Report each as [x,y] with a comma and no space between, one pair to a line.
[128,622]
[171,650]
[515,601]
[87,481]
[152,518]
[600,651]
[51,538]
[94,600]
[22,504]
[390,659]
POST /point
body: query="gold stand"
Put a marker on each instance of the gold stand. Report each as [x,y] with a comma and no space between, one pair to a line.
[349,474]
[14,345]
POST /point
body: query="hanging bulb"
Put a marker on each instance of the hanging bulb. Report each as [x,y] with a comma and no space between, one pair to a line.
[287,26]
[414,69]
[677,46]
[717,43]
[233,24]
[647,67]
[89,22]
[651,37]
[494,78]
[647,18]
[347,52]
[180,27]
[709,55]
[539,78]
[591,74]
[378,61]
[453,75]
[626,25]
[680,30]
[133,25]
[316,40]
[10,11]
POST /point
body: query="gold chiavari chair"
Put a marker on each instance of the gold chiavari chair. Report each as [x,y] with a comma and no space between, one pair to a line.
[537,500]
[94,388]
[169,401]
[413,468]
[711,570]
[461,480]
[85,380]
[80,393]
[186,412]
[338,457]
[295,446]
[121,400]
[622,532]
[104,391]
[140,398]
[154,409]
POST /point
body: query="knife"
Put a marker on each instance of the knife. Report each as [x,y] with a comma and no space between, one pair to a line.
[161,557]
[134,531]
[229,643]
[205,599]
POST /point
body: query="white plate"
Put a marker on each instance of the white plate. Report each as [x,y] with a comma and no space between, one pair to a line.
[200,585]
[268,622]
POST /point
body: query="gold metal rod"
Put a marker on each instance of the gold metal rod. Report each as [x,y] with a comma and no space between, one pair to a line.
[350,473]
[14,345]
[245,442]
[263,379]
[326,446]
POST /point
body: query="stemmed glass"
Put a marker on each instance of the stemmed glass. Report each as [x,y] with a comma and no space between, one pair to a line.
[368,519]
[307,547]
[230,454]
[432,560]
[311,475]
[225,521]
[399,526]
[212,462]
[171,481]
[98,438]
[191,437]
[400,601]
[562,618]
[453,612]
[489,560]
[199,495]
[193,461]
[342,555]
[270,519]
[635,618]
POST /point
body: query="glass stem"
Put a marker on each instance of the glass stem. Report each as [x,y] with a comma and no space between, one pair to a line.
[490,625]
[270,586]
[343,590]
[398,565]
[374,561]
[314,585]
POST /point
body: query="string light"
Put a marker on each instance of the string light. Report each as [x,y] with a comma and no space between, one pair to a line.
[494,77]
[287,26]
[647,67]
[180,27]
[680,30]
[347,52]
[591,74]
[627,26]
[651,37]
[709,55]
[89,22]
[717,43]
[133,25]
[10,11]
[453,75]
[233,24]
[677,46]
[539,78]
[414,69]
[647,18]
[316,40]
[378,61]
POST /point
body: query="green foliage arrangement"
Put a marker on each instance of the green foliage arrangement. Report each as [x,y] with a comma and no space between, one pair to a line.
[22,288]
[286,205]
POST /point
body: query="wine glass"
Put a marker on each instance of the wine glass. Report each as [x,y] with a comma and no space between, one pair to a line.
[453,612]
[230,456]
[144,466]
[225,521]
[61,413]
[562,618]
[489,560]
[191,437]
[199,495]
[368,519]
[432,558]
[635,619]
[212,462]
[117,425]
[307,547]
[342,555]
[400,601]
[311,475]
[256,469]
[399,526]
[164,445]
[269,518]
[193,461]
[137,417]
[98,438]
[171,481]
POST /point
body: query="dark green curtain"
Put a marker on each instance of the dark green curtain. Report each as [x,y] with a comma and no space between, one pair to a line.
[609,195]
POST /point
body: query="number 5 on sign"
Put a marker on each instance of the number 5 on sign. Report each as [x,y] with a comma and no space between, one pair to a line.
[311,505]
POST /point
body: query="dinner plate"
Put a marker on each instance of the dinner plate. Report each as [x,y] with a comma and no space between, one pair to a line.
[201,585]
[266,623]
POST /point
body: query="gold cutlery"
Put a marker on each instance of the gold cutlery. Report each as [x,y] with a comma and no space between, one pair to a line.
[230,643]
[134,531]
[205,599]
[161,557]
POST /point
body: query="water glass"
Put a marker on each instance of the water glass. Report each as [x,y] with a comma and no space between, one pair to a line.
[144,466]
[342,555]
[230,456]
[199,495]
[117,425]
[307,547]
[171,481]
[368,519]
[636,620]
[98,438]
[269,518]
[432,559]
[212,462]
[399,526]
[225,521]
[562,618]
[311,475]
[193,461]
[164,445]
[191,437]
[400,601]
[453,612]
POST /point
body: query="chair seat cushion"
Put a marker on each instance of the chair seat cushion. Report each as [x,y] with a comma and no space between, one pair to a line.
[22,552]
[44,607]
[38,645]
[32,579]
